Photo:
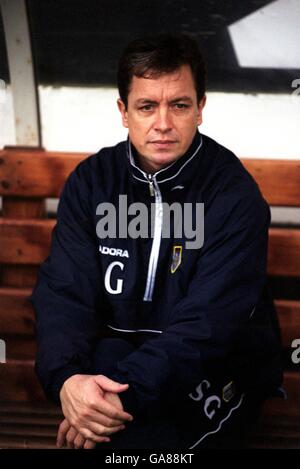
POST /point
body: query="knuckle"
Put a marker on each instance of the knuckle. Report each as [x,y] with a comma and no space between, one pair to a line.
[87,434]
[93,402]
[113,414]
[76,424]
[100,432]
[85,414]
[74,421]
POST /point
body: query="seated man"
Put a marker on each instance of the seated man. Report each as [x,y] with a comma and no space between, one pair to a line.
[158,338]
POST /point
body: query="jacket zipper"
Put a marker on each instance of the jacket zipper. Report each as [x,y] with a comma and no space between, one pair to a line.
[151,189]
[153,261]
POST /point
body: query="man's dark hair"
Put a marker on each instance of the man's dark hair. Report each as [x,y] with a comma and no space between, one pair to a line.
[152,56]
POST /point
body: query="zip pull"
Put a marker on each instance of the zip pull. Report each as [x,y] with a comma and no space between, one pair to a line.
[151,188]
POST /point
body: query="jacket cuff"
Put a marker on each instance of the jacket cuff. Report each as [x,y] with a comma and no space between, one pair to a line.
[59,378]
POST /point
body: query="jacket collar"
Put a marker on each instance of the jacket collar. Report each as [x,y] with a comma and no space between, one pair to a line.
[169,173]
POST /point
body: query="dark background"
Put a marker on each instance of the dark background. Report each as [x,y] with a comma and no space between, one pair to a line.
[79,41]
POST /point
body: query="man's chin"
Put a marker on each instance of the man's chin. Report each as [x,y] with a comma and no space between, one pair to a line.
[164,157]
[159,159]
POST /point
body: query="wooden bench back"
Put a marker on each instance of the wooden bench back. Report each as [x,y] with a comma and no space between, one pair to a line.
[28,177]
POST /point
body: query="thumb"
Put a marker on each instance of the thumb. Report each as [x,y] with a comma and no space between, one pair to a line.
[109,385]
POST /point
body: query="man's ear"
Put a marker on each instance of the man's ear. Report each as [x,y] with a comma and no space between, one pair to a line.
[200,109]
[124,113]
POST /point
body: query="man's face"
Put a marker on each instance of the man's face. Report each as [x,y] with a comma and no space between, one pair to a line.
[162,117]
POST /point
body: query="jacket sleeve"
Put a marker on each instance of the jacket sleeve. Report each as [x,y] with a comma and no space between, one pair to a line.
[64,297]
[226,286]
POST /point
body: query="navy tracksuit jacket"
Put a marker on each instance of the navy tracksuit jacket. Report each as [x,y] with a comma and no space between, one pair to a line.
[198,326]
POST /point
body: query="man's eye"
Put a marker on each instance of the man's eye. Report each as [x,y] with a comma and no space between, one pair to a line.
[147,107]
[180,106]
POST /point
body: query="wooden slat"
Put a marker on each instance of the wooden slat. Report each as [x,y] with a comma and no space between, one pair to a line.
[19,382]
[28,242]
[17,316]
[16,207]
[289,318]
[20,442]
[16,312]
[24,241]
[20,347]
[36,430]
[276,432]
[21,276]
[284,252]
[277,179]
[19,409]
[42,174]
[35,174]
[286,407]
[25,425]
[26,419]
[35,427]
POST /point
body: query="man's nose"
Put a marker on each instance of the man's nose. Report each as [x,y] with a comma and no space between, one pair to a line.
[163,122]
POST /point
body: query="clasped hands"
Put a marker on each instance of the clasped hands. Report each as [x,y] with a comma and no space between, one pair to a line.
[92,409]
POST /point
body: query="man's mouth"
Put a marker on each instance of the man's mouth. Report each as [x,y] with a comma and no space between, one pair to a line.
[163,143]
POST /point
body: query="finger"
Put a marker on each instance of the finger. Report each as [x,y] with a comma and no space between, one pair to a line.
[89,444]
[95,415]
[102,419]
[79,441]
[96,433]
[71,435]
[111,411]
[62,432]
[102,430]
[109,385]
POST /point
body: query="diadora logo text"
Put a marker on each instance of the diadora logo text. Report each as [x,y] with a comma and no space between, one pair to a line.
[113,251]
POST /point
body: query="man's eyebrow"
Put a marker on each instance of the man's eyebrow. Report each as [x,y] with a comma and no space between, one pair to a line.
[172,101]
[145,101]
[181,98]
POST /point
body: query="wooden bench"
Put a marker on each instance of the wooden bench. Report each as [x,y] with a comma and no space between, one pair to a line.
[27,178]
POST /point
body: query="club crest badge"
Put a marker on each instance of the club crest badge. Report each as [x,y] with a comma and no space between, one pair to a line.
[228,391]
[176,258]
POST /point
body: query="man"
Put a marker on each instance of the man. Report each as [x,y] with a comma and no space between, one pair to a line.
[191,346]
